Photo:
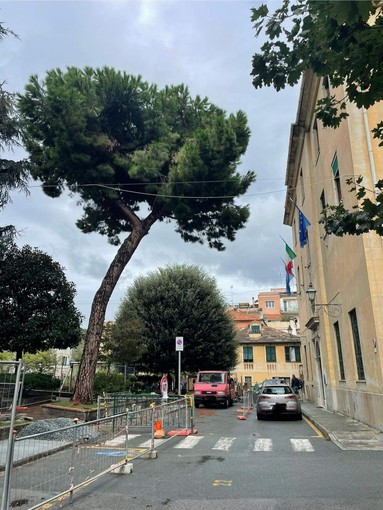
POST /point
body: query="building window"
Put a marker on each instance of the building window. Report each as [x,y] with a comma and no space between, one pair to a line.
[326,87]
[271,355]
[247,353]
[323,200]
[316,140]
[290,305]
[270,304]
[298,280]
[302,184]
[357,346]
[307,365]
[340,353]
[292,354]
[248,381]
[255,328]
[335,172]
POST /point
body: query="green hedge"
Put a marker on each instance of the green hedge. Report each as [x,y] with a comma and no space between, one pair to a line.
[113,382]
[38,381]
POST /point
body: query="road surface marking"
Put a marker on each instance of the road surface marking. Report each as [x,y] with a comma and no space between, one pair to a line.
[224,443]
[157,442]
[263,445]
[120,439]
[315,429]
[225,483]
[301,445]
[189,442]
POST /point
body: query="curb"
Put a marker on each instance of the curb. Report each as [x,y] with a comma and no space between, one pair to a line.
[320,427]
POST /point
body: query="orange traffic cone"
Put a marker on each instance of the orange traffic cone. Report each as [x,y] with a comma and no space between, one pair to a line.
[158,430]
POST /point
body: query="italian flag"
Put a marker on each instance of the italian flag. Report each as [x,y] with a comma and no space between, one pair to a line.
[290,257]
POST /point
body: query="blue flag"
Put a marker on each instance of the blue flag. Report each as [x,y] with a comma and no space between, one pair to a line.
[303,224]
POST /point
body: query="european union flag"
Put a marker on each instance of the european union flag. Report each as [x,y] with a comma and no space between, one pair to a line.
[303,224]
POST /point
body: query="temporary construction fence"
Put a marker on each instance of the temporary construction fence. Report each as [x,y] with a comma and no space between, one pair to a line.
[247,405]
[10,388]
[116,403]
[49,466]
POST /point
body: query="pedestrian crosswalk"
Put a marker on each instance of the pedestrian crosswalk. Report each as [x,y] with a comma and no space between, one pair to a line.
[222,444]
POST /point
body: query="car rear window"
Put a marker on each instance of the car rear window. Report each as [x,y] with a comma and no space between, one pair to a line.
[277,390]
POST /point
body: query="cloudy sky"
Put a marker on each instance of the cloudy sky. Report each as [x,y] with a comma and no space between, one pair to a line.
[207,45]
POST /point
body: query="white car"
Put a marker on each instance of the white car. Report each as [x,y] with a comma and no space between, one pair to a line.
[276,400]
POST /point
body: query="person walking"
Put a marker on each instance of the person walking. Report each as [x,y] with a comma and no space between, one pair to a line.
[295,384]
[301,387]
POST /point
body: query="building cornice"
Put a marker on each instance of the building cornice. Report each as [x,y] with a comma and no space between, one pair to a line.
[307,100]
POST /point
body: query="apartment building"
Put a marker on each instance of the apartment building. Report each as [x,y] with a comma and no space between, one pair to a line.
[339,279]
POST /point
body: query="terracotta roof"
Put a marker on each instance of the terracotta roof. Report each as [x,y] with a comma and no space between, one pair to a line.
[272,316]
[242,318]
[268,336]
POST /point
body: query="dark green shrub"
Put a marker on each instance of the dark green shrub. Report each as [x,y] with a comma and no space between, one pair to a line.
[38,381]
[133,385]
[111,382]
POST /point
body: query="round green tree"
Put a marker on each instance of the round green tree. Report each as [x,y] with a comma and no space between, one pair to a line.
[37,310]
[177,300]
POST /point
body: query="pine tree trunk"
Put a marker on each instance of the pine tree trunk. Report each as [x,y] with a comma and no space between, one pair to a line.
[83,390]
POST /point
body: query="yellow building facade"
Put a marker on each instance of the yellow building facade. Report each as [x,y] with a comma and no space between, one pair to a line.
[342,329]
[264,353]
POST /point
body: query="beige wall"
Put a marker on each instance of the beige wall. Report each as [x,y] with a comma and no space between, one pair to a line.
[347,271]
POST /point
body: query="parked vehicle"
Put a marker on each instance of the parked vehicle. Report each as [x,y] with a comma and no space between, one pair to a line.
[278,399]
[270,382]
[214,387]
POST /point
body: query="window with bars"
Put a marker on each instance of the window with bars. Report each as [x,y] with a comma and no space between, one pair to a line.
[247,353]
[271,355]
[270,304]
[255,328]
[340,353]
[357,346]
[292,354]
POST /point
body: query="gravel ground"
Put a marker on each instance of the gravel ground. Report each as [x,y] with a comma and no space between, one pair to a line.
[56,430]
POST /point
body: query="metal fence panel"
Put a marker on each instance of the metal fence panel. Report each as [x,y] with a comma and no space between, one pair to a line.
[50,465]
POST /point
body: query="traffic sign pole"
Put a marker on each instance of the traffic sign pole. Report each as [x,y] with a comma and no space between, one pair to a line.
[179,372]
[179,348]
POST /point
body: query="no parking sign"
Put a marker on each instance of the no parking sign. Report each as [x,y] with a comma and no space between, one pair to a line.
[179,343]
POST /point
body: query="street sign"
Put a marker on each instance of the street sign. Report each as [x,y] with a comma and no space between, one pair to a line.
[179,343]
[164,387]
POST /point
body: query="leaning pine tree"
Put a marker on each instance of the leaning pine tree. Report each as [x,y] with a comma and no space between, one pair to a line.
[135,155]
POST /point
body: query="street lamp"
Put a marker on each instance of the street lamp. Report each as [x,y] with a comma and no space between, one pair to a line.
[334,310]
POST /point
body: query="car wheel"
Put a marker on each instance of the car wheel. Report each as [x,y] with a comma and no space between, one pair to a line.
[259,416]
[226,403]
[299,416]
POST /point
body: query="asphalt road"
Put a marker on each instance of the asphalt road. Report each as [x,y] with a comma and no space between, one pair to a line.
[242,464]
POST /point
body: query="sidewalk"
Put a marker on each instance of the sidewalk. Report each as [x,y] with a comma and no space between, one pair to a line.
[345,432]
